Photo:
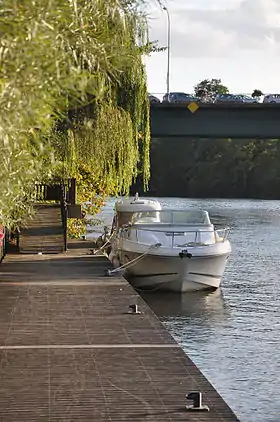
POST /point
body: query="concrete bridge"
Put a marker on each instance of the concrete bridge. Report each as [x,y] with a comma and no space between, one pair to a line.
[251,121]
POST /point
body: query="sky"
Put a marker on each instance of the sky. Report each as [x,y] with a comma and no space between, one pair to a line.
[237,41]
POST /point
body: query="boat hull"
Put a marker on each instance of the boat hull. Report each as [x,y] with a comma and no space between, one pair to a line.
[172,273]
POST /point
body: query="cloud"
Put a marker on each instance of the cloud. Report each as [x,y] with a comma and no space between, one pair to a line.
[219,32]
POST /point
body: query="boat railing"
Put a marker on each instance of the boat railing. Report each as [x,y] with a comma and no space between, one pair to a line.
[221,234]
[194,237]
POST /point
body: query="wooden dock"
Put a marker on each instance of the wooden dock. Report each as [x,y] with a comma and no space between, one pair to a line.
[71,351]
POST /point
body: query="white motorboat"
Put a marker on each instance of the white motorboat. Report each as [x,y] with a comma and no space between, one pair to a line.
[163,249]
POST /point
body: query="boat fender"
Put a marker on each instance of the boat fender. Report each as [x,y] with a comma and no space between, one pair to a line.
[111,255]
[185,254]
[114,259]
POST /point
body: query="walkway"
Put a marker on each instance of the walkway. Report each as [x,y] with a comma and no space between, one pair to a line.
[70,351]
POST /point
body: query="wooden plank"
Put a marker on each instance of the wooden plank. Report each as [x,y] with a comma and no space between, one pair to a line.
[70,350]
[44,231]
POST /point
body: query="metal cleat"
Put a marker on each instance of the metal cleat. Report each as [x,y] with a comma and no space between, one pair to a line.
[196,406]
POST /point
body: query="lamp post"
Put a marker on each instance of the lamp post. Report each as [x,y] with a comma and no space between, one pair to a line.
[168,49]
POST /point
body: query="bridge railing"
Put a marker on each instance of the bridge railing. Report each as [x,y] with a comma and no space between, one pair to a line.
[160,95]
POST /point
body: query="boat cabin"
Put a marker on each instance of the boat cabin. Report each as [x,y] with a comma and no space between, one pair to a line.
[127,208]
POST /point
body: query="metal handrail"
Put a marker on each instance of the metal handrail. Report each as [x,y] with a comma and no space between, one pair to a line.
[173,234]
[225,231]
[248,94]
[166,225]
[208,99]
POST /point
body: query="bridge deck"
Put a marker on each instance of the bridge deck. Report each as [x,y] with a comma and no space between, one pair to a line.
[239,121]
[71,352]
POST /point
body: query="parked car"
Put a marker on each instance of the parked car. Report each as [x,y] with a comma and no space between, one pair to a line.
[227,98]
[153,99]
[248,99]
[272,98]
[179,97]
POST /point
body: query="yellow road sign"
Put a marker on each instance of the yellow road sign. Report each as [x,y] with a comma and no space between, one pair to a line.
[193,107]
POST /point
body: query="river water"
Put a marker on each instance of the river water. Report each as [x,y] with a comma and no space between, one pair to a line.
[233,334]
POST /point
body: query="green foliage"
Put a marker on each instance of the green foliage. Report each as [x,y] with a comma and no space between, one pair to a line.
[153,47]
[91,194]
[215,168]
[257,93]
[72,92]
[209,88]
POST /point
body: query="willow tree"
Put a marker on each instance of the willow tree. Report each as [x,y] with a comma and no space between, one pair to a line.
[73,97]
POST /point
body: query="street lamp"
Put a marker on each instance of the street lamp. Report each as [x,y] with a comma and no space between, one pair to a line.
[168,49]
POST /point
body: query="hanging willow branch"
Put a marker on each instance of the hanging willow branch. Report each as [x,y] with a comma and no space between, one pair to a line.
[72,92]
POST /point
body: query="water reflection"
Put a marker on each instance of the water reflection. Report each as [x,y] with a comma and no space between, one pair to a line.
[195,305]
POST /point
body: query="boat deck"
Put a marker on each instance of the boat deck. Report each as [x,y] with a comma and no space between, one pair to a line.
[71,351]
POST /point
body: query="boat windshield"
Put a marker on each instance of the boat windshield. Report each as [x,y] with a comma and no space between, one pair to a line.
[174,217]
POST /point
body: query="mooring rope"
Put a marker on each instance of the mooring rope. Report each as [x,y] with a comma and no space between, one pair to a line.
[105,244]
[133,261]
